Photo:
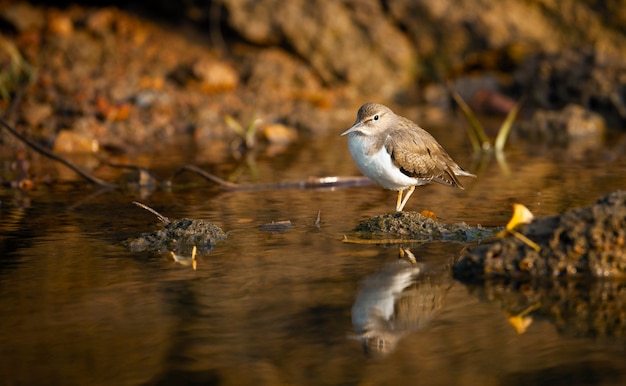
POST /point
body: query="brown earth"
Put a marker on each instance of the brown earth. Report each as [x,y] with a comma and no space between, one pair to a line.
[88,79]
[584,242]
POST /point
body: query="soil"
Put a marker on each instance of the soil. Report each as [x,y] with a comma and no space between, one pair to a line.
[107,80]
[415,226]
[584,242]
[180,236]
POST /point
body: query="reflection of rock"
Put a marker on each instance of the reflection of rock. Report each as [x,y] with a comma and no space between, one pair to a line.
[400,298]
[583,372]
[412,225]
[180,236]
[589,241]
[576,308]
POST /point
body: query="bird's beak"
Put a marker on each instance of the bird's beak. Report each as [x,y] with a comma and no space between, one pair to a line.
[352,129]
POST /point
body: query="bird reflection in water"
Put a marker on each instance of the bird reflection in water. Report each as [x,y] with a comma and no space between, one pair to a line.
[401,298]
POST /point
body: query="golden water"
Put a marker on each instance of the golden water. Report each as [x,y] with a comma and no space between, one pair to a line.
[275,308]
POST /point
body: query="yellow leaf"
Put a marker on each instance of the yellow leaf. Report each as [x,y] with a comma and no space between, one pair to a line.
[521,216]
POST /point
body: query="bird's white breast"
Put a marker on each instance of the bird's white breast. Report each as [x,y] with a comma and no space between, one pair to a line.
[377,164]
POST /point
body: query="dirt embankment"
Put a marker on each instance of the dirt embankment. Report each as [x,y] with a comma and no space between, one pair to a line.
[85,79]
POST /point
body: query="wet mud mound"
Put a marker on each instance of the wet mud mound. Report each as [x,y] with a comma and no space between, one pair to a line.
[415,226]
[180,236]
[585,242]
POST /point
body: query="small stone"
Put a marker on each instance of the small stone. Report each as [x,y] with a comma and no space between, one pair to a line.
[215,76]
[36,113]
[574,122]
[278,134]
[71,142]
[60,24]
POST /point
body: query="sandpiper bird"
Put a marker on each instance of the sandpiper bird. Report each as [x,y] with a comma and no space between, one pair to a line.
[398,154]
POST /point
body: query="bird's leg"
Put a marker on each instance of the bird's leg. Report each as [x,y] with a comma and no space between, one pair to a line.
[399,201]
[406,198]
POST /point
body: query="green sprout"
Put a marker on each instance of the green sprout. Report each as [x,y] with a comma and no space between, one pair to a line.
[15,72]
[247,134]
[480,142]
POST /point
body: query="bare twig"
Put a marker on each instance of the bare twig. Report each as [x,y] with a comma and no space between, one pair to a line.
[40,149]
[309,183]
[162,218]
[379,241]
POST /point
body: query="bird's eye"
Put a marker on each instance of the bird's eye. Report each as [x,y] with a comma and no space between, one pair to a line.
[376,117]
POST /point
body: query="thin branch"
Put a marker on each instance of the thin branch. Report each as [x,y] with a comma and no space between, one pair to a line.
[162,218]
[309,183]
[380,241]
[40,149]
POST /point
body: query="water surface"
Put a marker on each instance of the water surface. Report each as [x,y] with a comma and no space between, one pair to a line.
[276,308]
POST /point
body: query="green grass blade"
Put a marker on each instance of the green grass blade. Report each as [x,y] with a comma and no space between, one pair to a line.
[234,125]
[477,136]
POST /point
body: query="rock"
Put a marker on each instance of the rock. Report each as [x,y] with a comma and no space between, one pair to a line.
[572,123]
[483,94]
[72,142]
[60,24]
[361,47]
[24,17]
[446,31]
[215,76]
[584,242]
[36,113]
[278,134]
[585,77]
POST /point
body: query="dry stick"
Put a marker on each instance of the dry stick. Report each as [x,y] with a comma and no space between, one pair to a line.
[162,218]
[40,149]
[309,183]
[380,241]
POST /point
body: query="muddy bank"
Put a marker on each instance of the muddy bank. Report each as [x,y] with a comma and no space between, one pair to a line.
[584,242]
[82,79]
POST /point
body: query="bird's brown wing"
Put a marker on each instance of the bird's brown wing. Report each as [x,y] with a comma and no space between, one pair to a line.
[419,155]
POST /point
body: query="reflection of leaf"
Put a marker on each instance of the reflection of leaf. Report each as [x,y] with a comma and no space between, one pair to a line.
[185,260]
[406,252]
[520,321]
